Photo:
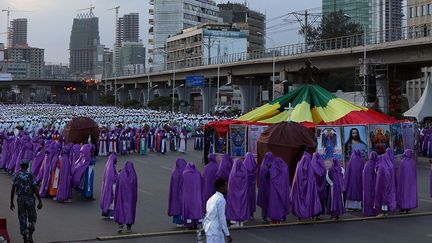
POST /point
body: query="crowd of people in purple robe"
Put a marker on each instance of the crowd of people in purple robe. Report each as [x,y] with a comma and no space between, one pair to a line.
[320,186]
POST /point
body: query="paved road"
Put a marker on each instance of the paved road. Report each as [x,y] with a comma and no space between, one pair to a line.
[81,220]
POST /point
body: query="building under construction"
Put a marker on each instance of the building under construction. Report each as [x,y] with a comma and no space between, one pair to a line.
[85,46]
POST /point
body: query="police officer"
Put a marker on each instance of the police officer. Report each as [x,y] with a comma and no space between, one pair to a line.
[24,185]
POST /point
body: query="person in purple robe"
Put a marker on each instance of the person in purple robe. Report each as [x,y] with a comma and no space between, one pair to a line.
[251,167]
[407,196]
[279,191]
[26,153]
[353,181]
[238,209]
[14,155]
[334,182]
[64,191]
[192,196]
[175,192]
[81,165]
[209,177]
[369,181]
[225,168]
[108,187]
[7,150]
[304,198]
[126,196]
[320,177]
[264,185]
[74,155]
[48,166]
[385,187]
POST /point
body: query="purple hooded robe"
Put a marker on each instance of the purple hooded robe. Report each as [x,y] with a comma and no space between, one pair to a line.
[109,178]
[251,167]
[192,195]
[407,182]
[278,205]
[81,165]
[175,190]
[126,195]
[48,166]
[353,177]
[225,168]
[74,155]
[6,152]
[304,198]
[385,187]
[237,207]
[26,153]
[64,191]
[209,177]
[264,183]
[335,176]
[369,180]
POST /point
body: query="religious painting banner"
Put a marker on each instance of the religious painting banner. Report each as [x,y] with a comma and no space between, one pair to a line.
[379,138]
[355,137]
[237,140]
[329,140]
[254,133]
[408,135]
[220,142]
[396,141]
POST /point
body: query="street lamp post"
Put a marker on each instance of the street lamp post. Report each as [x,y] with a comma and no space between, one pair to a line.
[148,87]
[173,84]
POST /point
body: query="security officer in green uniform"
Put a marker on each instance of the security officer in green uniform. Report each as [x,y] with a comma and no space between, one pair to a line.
[24,185]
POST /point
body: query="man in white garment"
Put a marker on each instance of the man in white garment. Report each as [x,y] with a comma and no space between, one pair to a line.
[215,224]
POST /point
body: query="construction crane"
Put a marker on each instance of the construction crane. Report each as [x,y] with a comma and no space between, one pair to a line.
[8,11]
[91,9]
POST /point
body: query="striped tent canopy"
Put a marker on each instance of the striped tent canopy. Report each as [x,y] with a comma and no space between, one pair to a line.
[314,105]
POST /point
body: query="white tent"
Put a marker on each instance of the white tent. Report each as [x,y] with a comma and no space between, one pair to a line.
[423,108]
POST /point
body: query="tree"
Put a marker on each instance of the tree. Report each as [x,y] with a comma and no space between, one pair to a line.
[163,102]
[135,104]
[107,99]
[335,24]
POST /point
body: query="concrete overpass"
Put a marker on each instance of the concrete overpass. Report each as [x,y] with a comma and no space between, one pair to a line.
[248,71]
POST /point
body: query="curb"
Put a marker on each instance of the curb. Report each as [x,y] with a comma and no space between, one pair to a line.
[261,226]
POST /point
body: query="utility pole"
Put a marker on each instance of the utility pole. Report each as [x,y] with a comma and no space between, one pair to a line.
[307,28]
[209,50]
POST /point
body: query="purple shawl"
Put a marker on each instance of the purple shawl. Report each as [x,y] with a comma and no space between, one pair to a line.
[74,155]
[305,202]
[264,182]
[369,180]
[192,194]
[407,182]
[251,167]
[26,153]
[175,195]
[38,163]
[279,192]
[209,176]
[48,167]
[6,152]
[337,207]
[81,165]
[353,177]
[320,174]
[225,168]
[237,207]
[109,178]
[64,191]
[126,195]
[16,148]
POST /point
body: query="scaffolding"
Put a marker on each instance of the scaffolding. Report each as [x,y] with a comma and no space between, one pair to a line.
[372,80]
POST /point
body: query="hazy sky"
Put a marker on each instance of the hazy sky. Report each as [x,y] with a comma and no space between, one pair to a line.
[50,23]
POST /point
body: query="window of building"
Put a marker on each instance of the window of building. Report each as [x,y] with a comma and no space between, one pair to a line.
[411,12]
[424,10]
[417,11]
[429,9]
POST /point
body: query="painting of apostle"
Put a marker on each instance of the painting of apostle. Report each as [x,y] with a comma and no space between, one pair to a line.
[379,137]
[329,142]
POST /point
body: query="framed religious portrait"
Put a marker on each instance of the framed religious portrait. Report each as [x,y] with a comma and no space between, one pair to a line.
[254,133]
[220,142]
[396,141]
[329,140]
[408,135]
[355,137]
[237,140]
[379,138]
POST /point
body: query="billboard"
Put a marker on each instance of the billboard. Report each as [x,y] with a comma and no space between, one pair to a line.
[195,81]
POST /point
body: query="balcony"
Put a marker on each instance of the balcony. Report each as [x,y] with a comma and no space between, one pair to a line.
[151,41]
[151,31]
[152,2]
[151,11]
[151,21]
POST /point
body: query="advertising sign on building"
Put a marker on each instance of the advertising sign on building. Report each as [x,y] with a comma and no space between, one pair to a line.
[195,81]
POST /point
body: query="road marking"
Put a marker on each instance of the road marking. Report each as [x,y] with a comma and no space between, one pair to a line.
[262,226]
[146,192]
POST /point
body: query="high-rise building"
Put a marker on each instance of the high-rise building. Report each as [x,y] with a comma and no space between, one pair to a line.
[384,16]
[246,19]
[419,17]
[86,53]
[34,56]
[129,27]
[132,58]
[357,10]
[56,71]
[169,17]
[386,20]
[17,33]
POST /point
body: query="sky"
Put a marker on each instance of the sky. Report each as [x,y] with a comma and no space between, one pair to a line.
[50,22]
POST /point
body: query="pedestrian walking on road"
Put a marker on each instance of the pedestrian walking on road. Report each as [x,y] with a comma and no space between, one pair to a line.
[215,224]
[24,185]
